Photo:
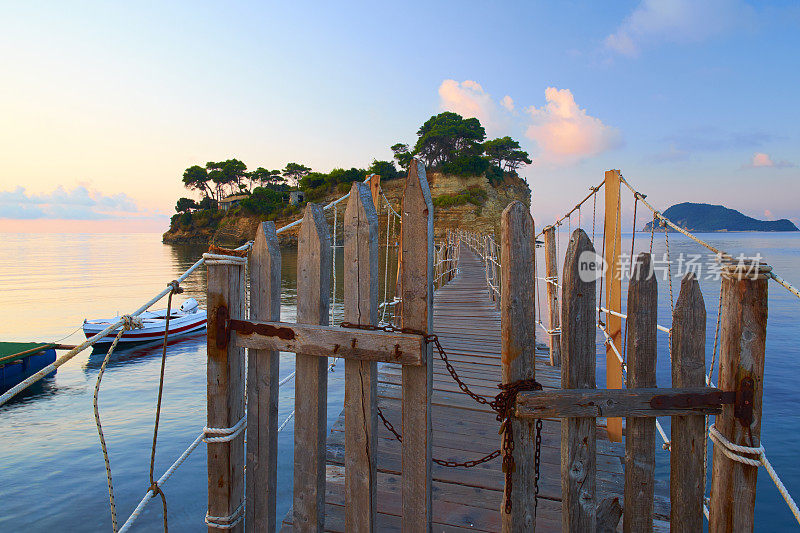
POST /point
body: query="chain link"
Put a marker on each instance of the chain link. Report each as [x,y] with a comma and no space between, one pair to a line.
[503,404]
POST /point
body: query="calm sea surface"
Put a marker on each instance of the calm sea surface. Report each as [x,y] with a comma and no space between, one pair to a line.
[52,475]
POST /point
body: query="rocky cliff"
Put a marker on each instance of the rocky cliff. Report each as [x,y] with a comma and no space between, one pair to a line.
[459,202]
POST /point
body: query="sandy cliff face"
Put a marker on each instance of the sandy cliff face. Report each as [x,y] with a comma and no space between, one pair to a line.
[483,218]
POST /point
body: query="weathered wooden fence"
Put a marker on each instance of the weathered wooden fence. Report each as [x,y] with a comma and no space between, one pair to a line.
[313,340]
[737,401]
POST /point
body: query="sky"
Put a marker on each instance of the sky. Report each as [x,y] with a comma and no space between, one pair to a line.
[104,104]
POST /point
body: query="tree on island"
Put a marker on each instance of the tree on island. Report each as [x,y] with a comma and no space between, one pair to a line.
[185,205]
[267,177]
[448,136]
[196,177]
[295,171]
[402,155]
[231,172]
[506,154]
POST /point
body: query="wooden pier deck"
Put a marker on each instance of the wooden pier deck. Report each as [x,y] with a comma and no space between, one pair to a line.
[468,326]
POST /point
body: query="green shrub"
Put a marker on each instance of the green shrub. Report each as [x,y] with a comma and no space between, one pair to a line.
[473,165]
[473,195]
[262,201]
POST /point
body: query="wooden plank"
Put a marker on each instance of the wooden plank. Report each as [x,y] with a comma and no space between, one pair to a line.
[335,341]
[416,288]
[313,300]
[375,191]
[517,354]
[640,441]
[578,448]
[630,403]
[361,379]
[612,234]
[687,439]
[742,341]
[553,309]
[262,385]
[225,382]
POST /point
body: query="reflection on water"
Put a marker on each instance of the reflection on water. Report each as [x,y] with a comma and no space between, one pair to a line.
[53,477]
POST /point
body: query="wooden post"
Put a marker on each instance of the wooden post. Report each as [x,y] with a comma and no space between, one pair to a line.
[551,275]
[313,300]
[613,280]
[742,341]
[262,385]
[226,285]
[375,190]
[361,378]
[578,446]
[640,441]
[416,269]
[687,477]
[518,345]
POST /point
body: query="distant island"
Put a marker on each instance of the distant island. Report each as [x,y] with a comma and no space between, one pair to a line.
[702,218]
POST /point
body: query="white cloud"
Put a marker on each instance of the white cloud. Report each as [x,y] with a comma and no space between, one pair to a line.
[507,102]
[77,204]
[566,133]
[761,160]
[675,21]
[468,99]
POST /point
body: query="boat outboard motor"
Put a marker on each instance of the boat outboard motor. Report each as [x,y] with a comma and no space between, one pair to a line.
[189,306]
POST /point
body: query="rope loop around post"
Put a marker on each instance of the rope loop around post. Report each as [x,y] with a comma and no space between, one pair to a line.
[215,435]
[734,451]
[226,522]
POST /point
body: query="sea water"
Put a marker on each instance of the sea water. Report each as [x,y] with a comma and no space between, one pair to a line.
[52,475]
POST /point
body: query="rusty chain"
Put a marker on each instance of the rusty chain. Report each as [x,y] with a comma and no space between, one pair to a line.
[502,404]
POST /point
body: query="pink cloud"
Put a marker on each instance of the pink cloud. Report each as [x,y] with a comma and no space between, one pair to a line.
[468,99]
[762,160]
[566,133]
[507,102]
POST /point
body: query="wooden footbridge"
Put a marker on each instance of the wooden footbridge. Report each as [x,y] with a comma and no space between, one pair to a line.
[409,450]
[467,322]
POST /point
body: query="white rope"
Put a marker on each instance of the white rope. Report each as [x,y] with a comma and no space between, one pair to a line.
[734,452]
[221,259]
[333,260]
[226,522]
[621,315]
[224,434]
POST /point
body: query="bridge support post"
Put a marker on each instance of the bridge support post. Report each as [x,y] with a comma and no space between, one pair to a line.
[518,347]
[226,286]
[551,275]
[612,234]
[743,331]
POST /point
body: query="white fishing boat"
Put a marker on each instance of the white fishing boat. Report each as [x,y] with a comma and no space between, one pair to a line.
[187,319]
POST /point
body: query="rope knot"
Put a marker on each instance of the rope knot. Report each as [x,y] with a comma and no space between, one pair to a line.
[175,286]
[132,322]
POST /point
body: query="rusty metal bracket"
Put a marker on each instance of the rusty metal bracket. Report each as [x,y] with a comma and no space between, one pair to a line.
[268,330]
[710,398]
[222,327]
[741,399]
[743,407]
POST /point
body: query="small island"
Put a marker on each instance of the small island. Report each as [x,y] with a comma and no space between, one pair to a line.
[472,180]
[708,218]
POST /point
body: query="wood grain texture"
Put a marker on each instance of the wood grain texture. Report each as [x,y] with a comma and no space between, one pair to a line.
[578,446]
[612,233]
[687,475]
[334,341]
[517,354]
[263,368]
[225,382]
[313,301]
[630,403]
[742,343]
[361,379]
[375,191]
[553,308]
[416,287]
[640,439]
